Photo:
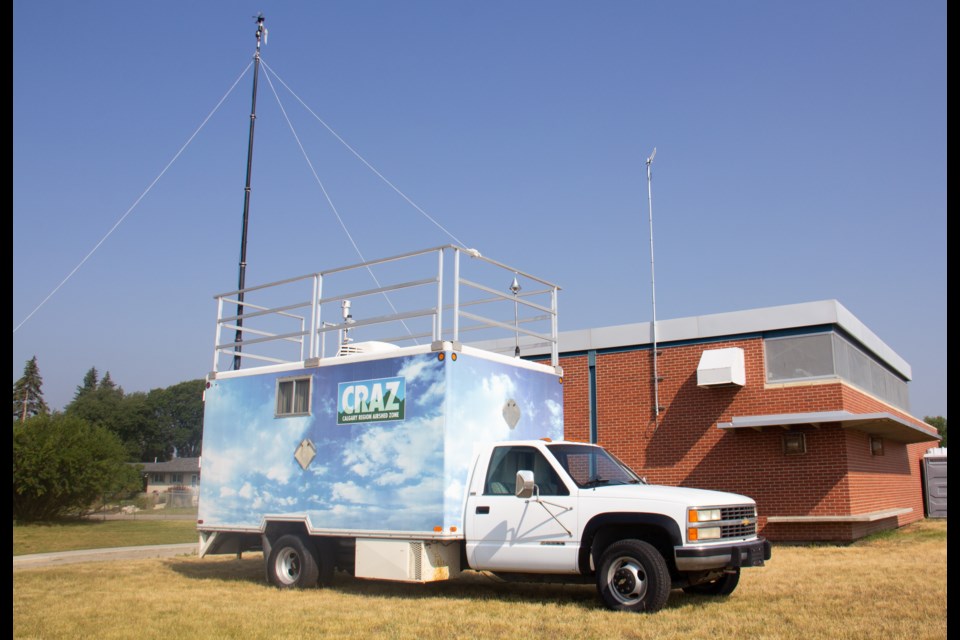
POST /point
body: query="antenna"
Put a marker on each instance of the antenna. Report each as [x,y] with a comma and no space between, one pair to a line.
[653,291]
[261,32]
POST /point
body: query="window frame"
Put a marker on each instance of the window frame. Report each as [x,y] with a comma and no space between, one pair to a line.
[794,450]
[296,382]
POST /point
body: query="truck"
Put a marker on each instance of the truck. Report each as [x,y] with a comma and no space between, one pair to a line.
[420,457]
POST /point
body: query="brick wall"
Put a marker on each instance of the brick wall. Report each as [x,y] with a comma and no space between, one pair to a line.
[683,445]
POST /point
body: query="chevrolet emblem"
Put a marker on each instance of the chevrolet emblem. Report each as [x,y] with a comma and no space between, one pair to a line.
[745,522]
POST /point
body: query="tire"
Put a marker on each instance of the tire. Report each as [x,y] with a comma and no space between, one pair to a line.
[633,576]
[292,563]
[722,586]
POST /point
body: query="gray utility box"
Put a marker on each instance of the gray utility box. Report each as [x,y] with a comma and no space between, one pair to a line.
[935,482]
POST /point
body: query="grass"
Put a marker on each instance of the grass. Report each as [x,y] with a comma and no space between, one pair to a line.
[888,586]
[71,535]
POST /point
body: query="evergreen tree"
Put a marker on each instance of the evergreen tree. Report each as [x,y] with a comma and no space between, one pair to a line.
[89,385]
[27,394]
[97,402]
[106,384]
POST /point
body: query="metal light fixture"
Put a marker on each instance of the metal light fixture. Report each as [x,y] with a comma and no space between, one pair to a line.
[347,319]
[515,289]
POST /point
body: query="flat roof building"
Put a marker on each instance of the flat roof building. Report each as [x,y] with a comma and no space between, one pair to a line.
[799,406]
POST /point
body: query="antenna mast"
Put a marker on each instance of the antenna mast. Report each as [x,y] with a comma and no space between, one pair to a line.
[653,292]
[261,33]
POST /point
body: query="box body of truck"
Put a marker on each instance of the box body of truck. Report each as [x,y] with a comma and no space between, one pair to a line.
[374,446]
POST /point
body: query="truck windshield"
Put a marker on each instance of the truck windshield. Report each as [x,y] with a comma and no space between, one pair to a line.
[592,466]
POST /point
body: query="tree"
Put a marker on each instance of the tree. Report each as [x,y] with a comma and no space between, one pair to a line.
[178,412]
[97,402]
[144,437]
[153,426]
[62,464]
[89,384]
[107,385]
[27,393]
[940,423]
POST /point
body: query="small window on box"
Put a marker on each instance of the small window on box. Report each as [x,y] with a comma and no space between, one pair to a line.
[876,446]
[293,397]
[794,444]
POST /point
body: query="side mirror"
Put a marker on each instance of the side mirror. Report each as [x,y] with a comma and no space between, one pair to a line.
[525,484]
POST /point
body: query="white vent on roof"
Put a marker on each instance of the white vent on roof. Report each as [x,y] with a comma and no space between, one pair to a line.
[721,367]
[370,346]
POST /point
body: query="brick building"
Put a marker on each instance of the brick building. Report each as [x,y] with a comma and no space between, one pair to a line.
[801,407]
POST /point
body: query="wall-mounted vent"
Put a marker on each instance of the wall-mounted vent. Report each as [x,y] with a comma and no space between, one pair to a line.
[721,367]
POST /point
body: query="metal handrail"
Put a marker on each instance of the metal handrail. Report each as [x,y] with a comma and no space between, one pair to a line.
[541,300]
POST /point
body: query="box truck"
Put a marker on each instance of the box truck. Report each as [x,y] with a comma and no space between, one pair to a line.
[415,462]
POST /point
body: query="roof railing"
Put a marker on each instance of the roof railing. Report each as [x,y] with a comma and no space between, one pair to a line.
[334,312]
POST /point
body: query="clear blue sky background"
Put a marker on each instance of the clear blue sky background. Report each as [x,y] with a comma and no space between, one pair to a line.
[801,156]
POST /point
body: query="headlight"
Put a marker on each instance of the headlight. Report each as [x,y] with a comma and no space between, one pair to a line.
[704,533]
[704,515]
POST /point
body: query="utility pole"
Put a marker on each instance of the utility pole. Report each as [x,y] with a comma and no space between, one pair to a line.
[261,34]
[653,292]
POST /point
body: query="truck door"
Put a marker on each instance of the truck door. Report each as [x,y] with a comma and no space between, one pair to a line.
[507,533]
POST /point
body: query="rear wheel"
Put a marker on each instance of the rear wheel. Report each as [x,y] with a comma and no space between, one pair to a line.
[722,586]
[292,563]
[633,576]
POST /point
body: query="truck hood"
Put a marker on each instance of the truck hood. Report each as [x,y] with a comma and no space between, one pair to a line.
[684,495]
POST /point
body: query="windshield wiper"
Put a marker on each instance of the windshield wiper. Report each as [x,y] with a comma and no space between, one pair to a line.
[594,482]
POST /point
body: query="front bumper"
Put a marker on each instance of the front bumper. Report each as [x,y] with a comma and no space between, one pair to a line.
[752,553]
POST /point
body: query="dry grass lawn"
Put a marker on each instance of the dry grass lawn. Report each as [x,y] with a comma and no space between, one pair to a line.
[891,586]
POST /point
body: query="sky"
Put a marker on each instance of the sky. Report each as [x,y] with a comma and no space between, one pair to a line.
[801,156]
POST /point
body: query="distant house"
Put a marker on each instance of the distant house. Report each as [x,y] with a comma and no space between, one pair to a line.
[179,474]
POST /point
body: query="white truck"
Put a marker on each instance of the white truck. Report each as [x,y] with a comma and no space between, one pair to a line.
[417,462]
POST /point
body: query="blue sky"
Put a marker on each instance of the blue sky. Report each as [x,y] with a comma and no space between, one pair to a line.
[801,156]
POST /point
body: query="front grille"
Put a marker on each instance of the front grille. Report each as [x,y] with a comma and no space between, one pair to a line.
[738,522]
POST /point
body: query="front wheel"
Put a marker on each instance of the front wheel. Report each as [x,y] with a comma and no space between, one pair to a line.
[292,564]
[722,586]
[633,576]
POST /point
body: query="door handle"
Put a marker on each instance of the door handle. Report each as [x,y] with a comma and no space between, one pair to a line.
[483,510]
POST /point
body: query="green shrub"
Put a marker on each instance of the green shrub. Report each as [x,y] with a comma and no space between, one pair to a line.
[63,464]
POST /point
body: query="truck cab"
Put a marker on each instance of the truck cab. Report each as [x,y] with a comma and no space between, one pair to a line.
[568,508]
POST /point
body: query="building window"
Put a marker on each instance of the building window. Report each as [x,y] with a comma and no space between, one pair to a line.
[794,444]
[156,478]
[176,478]
[293,397]
[194,479]
[876,446]
[828,355]
[799,357]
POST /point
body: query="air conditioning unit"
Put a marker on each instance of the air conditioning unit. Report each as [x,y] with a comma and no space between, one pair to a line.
[371,346]
[721,367]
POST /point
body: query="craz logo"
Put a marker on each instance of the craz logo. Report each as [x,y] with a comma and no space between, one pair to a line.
[378,400]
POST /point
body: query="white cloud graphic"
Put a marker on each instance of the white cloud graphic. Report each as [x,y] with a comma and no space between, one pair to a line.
[350,492]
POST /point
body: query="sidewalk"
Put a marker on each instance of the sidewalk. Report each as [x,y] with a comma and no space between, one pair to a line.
[33,561]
